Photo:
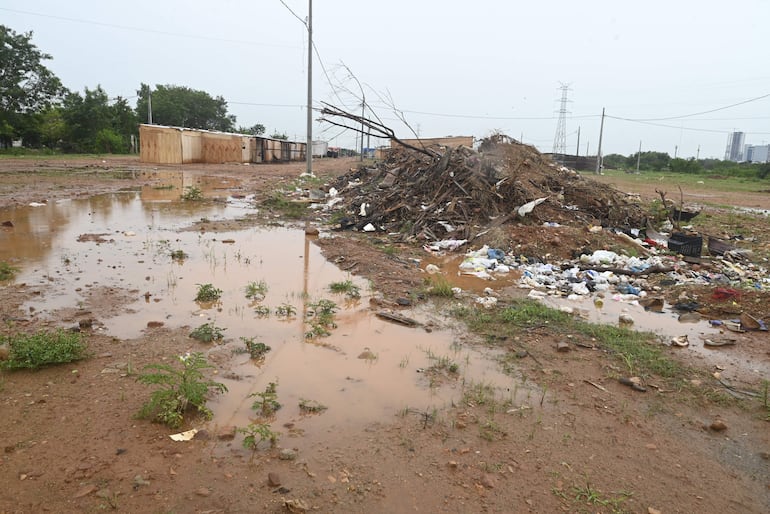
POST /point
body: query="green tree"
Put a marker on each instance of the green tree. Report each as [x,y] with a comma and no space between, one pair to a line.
[651,161]
[278,135]
[685,166]
[85,116]
[254,130]
[124,120]
[27,87]
[180,106]
[614,161]
[51,127]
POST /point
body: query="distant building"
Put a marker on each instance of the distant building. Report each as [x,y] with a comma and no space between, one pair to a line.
[757,153]
[734,151]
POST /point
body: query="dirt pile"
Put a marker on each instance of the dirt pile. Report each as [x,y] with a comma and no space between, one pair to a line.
[460,192]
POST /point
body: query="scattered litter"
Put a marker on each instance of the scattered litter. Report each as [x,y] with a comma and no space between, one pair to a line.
[634,383]
[486,301]
[598,386]
[718,342]
[530,206]
[369,228]
[447,244]
[680,341]
[184,436]
[397,318]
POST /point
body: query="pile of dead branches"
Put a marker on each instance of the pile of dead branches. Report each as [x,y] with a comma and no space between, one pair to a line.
[460,192]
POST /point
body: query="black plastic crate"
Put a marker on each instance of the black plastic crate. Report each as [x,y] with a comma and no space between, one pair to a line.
[689,246]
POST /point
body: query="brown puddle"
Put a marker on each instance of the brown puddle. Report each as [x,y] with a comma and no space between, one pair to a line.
[77,249]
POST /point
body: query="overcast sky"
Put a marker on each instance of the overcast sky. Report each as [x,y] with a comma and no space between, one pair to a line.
[453,67]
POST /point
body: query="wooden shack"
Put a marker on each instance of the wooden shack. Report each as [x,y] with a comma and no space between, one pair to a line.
[175,145]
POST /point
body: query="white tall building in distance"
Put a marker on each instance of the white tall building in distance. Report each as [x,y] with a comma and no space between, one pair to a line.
[757,153]
[734,151]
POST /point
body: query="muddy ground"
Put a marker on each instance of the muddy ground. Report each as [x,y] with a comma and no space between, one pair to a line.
[578,441]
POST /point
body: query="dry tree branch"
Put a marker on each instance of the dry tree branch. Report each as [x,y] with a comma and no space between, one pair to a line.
[376,128]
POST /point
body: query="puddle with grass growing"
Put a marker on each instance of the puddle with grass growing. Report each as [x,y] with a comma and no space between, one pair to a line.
[666,324]
[366,369]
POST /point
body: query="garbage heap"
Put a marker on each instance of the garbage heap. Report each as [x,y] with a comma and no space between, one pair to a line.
[461,192]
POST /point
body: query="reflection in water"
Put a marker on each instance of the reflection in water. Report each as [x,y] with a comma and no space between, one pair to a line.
[133,254]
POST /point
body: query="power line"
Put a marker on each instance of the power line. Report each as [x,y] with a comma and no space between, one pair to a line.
[643,122]
[743,102]
[149,31]
[266,104]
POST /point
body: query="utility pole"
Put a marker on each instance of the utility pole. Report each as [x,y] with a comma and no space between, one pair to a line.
[577,146]
[638,156]
[697,154]
[599,151]
[149,107]
[676,149]
[309,149]
[363,106]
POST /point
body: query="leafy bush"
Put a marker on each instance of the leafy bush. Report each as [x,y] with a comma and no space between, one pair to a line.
[286,310]
[256,433]
[256,350]
[267,401]
[208,293]
[109,141]
[181,390]
[207,333]
[256,290]
[35,350]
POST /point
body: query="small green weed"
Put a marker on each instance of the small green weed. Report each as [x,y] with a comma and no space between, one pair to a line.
[32,351]
[490,430]
[347,287]
[286,310]
[439,286]
[289,209]
[262,311]
[592,496]
[256,290]
[207,293]
[255,433]
[207,333]
[256,350]
[180,390]
[178,255]
[192,194]
[311,406]
[479,393]
[322,318]
[7,272]
[267,401]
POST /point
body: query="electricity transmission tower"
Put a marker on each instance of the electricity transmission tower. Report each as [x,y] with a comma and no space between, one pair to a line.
[560,139]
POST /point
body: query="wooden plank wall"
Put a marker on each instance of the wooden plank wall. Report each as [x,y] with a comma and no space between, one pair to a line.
[160,145]
[220,148]
[192,147]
